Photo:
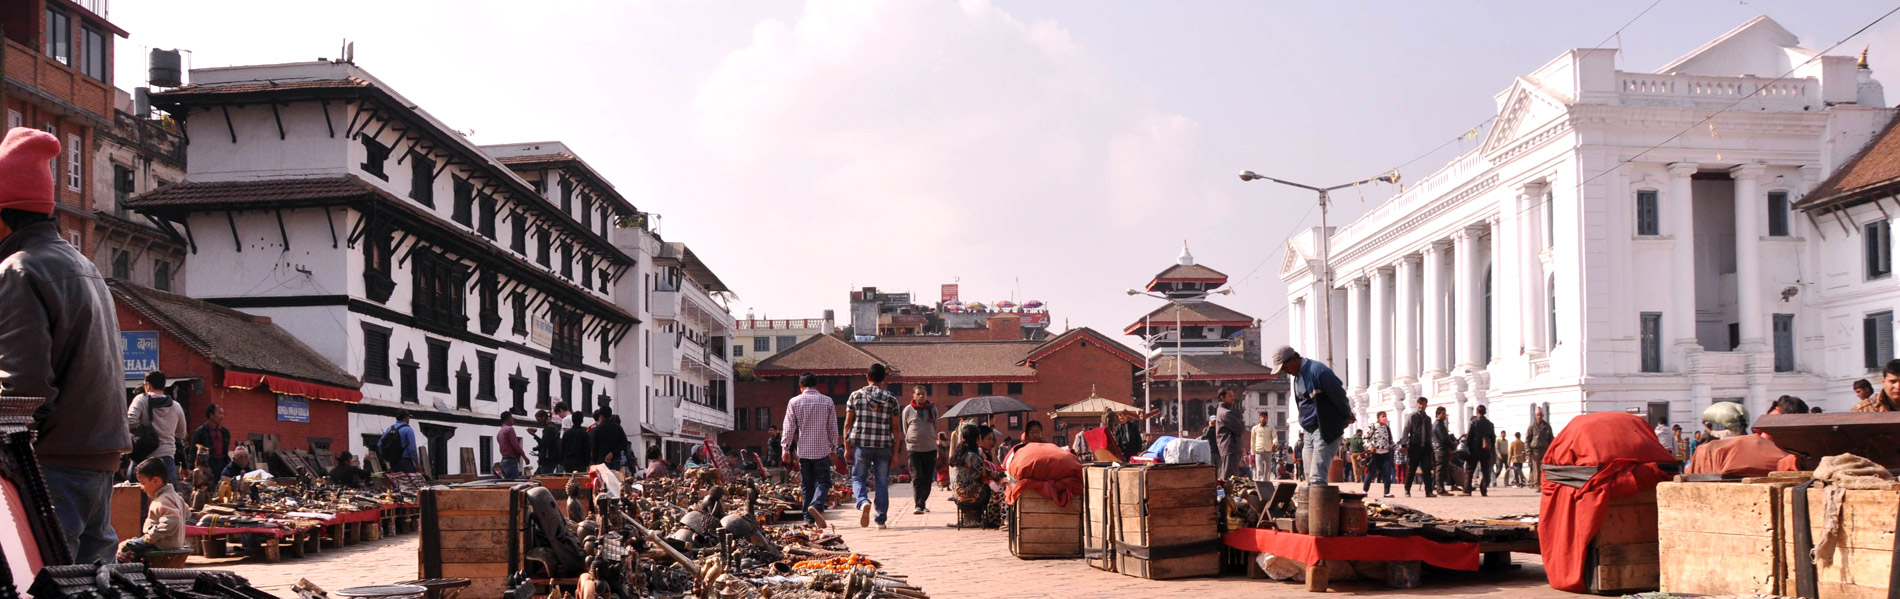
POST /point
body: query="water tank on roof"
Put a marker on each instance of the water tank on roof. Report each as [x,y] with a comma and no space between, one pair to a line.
[166,71]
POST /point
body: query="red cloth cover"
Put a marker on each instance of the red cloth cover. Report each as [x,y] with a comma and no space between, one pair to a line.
[1626,452]
[1097,439]
[1308,548]
[1046,469]
[235,379]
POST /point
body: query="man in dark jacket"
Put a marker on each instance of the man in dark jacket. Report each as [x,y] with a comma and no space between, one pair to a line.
[1443,445]
[547,442]
[576,447]
[609,439]
[1417,441]
[59,341]
[1324,410]
[212,440]
[1230,436]
[1537,440]
[1482,451]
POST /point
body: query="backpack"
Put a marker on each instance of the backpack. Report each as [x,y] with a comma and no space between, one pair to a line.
[389,447]
[144,435]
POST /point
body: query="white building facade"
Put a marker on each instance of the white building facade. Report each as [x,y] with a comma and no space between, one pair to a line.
[1591,256]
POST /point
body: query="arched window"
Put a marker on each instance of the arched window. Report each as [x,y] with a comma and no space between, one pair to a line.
[1550,301]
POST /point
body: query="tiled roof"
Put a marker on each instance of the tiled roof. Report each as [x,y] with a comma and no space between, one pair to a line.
[957,360]
[1208,367]
[230,338]
[259,191]
[263,86]
[1191,313]
[1192,272]
[820,353]
[537,158]
[1076,334]
[1874,171]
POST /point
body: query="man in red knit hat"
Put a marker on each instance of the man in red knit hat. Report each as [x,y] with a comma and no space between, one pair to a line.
[59,341]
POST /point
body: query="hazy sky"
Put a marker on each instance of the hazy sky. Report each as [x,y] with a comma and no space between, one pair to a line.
[1046,150]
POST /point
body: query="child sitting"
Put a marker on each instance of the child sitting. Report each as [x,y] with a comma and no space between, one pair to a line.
[164,520]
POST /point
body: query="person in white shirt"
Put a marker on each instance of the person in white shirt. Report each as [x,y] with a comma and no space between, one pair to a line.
[167,419]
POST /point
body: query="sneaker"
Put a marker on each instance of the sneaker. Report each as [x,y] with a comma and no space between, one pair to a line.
[925,509]
[918,511]
[864,515]
[880,527]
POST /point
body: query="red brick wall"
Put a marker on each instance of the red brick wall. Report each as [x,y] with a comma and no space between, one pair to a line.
[33,116]
[772,394]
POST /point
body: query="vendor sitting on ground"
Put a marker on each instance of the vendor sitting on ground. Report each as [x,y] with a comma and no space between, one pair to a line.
[164,520]
[1738,453]
[240,463]
[975,477]
[346,474]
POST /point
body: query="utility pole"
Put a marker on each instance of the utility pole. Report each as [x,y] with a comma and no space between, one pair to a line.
[1325,242]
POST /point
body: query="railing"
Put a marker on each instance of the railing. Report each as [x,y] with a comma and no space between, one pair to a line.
[103,8]
[58,81]
[1717,362]
[782,323]
[1444,386]
[665,305]
[1784,94]
[1540,367]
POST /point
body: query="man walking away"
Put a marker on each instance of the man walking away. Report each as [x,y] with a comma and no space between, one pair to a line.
[610,439]
[510,442]
[1324,412]
[1481,441]
[1537,439]
[212,440]
[397,447]
[1378,465]
[1518,453]
[920,435]
[872,419]
[1418,440]
[1263,450]
[811,434]
[59,341]
[1229,434]
[577,447]
[167,421]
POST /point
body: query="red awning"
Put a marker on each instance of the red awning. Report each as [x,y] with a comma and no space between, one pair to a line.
[250,380]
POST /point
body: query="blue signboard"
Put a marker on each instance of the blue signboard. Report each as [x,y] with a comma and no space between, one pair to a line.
[139,349]
[291,408]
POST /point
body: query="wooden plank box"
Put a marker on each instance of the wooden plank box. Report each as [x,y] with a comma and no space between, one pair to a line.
[1858,566]
[1038,529]
[1718,538]
[1625,556]
[475,532]
[1098,517]
[1165,521]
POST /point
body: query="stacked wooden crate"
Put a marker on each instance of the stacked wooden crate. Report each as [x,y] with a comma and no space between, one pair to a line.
[1040,529]
[1861,562]
[1165,521]
[1624,556]
[1718,538]
[1098,517]
[474,532]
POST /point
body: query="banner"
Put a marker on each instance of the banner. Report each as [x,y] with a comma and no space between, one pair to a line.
[542,333]
[949,293]
[1035,319]
[291,408]
[139,351]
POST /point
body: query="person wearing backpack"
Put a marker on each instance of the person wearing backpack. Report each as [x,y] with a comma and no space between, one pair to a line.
[157,424]
[397,446]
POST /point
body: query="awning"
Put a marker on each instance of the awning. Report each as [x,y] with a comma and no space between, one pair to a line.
[250,380]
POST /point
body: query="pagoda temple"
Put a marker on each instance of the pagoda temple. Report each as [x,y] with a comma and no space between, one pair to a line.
[1196,345]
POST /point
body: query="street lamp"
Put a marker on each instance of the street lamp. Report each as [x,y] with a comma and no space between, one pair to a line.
[1326,241]
[1180,376]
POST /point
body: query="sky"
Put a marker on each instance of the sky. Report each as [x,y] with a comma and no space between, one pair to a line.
[1052,150]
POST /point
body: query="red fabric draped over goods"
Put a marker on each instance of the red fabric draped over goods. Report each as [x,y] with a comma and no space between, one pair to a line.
[1626,452]
[251,380]
[1308,548]
[1049,470]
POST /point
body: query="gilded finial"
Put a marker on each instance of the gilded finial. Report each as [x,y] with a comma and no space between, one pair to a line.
[1862,64]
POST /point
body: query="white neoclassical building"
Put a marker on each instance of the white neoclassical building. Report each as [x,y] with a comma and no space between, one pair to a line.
[1607,248]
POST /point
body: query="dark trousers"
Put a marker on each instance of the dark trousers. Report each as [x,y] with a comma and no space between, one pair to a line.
[814,483]
[1378,467]
[1446,478]
[1420,469]
[403,465]
[1479,468]
[923,472]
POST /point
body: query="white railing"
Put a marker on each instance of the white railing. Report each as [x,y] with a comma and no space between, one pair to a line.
[1713,362]
[665,305]
[1540,367]
[1784,94]
[1445,386]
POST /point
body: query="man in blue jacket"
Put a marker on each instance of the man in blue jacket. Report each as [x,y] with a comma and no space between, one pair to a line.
[1324,411]
[407,463]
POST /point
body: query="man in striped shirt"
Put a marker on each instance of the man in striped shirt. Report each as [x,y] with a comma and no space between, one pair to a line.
[811,434]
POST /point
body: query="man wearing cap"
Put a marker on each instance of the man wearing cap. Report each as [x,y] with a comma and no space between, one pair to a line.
[1324,412]
[59,342]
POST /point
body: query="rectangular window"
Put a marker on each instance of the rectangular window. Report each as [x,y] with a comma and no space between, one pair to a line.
[95,53]
[1651,326]
[542,390]
[488,455]
[761,344]
[567,198]
[587,212]
[518,389]
[463,211]
[374,155]
[567,261]
[486,219]
[375,354]
[1784,343]
[518,233]
[1878,237]
[587,395]
[438,296]
[1015,388]
[489,288]
[741,422]
[1550,219]
[1648,213]
[519,300]
[587,271]
[162,275]
[786,342]
[121,265]
[542,242]
[896,389]
[983,389]
[567,388]
[1015,422]
[485,376]
[1778,214]
[74,171]
[59,37]
[438,366]
[738,351]
[123,185]
[567,336]
[408,367]
[1877,338]
[606,348]
[955,389]
[462,392]
[422,181]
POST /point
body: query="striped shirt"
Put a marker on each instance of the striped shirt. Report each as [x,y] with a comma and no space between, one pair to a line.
[872,409]
[811,425]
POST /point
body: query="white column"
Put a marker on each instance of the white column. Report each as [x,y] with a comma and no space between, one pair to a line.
[1355,365]
[1405,317]
[1750,205]
[1469,283]
[1530,270]
[1379,317]
[1503,339]
[1680,220]
[1434,311]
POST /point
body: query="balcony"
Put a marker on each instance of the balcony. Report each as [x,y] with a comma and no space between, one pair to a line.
[664,355]
[664,305]
[48,82]
[782,323]
[663,413]
[1646,89]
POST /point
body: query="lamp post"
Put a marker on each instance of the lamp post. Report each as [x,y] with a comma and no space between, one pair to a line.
[1180,376]
[1326,240]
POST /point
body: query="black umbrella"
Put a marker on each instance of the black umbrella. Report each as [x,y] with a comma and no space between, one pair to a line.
[987,406]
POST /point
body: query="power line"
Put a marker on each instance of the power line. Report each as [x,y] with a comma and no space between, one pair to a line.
[1282,248]
[1632,21]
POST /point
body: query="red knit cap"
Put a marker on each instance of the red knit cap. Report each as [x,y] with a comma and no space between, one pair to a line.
[26,182]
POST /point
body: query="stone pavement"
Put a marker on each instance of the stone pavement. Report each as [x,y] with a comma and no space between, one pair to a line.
[383,561]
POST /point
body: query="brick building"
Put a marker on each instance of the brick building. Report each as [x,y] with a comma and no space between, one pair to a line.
[1044,374]
[266,379]
[57,65]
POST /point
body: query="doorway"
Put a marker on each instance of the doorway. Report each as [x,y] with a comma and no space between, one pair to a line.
[438,437]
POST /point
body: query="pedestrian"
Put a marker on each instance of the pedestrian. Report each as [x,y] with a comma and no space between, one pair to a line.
[1662,435]
[1356,450]
[577,446]
[59,342]
[774,443]
[400,453]
[1481,444]
[609,439]
[1229,434]
[1518,454]
[872,419]
[166,422]
[657,467]
[1537,439]
[811,429]
[510,443]
[1502,459]
[346,473]
[1324,411]
[1264,450]
[212,440]
[1443,445]
[1418,440]
[165,518]
[1379,446]
[1299,457]
[920,435]
[547,443]
[1888,397]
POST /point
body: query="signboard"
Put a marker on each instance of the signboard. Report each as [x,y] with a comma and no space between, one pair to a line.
[542,333]
[717,457]
[949,293]
[291,408]
[139,349]
[1035,319]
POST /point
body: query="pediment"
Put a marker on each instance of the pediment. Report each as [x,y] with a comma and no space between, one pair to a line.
[1293,258]
[1528,109]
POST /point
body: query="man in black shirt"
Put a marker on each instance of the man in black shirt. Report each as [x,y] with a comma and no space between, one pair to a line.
[346,474]
[576,447]
[609,439]
[1481,443]
[1417,442]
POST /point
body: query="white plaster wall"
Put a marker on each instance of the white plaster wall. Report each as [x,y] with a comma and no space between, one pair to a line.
[310,266]
[306,148]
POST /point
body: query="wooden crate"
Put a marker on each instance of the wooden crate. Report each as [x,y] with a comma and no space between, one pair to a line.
[1625,557]
[1039,529]
[475,532]
[1098,517]
[1718,538]
[1858,566]
[128,511]
[1165,522]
